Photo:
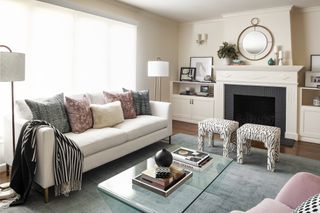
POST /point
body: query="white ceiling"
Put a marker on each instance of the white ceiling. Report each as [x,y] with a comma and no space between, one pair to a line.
[194,10]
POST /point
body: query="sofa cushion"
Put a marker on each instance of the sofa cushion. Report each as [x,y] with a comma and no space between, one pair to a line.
[106,115]
[96,140]
[269,205]
[79,113]
[126,100]
[96,98]
[142,125]
[141,101]
[51,110]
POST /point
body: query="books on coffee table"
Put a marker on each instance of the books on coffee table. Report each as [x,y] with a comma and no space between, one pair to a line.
[204,164]
[162,186]
[190,156]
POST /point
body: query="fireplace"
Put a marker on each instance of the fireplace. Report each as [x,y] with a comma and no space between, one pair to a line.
[257,104]
[254,109]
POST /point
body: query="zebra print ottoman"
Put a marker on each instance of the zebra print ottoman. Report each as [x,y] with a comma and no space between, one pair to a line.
[225,128]
[269,135]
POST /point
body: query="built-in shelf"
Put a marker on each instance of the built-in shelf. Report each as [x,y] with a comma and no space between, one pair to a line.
[309,115]
[191,108]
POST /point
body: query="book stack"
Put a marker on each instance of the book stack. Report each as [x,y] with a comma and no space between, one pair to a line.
[162,186]
[191,159]
[149,176]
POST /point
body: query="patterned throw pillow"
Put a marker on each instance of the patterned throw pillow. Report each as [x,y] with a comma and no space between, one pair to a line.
[141,101]
[309,206]
[51,110]
[126,102]
[79,114]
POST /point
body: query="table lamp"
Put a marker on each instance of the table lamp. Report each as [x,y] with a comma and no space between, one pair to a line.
[158,69]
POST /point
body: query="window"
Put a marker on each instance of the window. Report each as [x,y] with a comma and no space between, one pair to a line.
[66,51]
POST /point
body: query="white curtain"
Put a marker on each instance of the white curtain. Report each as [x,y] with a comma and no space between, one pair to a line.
[66,51]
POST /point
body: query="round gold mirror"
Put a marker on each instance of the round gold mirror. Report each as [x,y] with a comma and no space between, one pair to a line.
[255,42]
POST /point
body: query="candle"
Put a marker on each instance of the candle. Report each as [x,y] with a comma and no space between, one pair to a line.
[280,54]
[275,49]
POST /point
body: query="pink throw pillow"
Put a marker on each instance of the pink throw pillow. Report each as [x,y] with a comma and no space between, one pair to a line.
[126,100]
[79,113]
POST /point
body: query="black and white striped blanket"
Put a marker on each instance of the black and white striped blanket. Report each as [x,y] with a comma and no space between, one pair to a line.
[68,160]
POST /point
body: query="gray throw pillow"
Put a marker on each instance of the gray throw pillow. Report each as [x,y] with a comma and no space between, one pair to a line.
[51,110]
[141,101]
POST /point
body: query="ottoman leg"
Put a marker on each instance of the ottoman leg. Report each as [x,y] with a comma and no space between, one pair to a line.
[239,151]
[271,159]
[278,150]
[200,142]
[226,146]
[210,139]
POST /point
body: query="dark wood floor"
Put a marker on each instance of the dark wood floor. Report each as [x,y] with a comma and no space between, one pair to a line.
[304,149]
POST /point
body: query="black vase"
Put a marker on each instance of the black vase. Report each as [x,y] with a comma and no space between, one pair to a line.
[163,158]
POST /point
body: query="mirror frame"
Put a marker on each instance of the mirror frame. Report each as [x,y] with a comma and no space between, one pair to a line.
[255,27]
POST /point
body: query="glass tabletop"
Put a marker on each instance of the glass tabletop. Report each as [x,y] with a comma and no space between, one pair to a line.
[135,198]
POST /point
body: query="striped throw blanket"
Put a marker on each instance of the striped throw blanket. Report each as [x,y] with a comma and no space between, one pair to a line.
[68,160]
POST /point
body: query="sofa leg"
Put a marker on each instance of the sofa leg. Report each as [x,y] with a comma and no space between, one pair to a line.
[7,170]
[170,139]
[46,195]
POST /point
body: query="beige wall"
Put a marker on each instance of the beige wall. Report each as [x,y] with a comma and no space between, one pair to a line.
[156,36]
[305,35]
[277,20]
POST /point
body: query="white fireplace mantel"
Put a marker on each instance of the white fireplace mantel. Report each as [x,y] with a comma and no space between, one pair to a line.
[289,77]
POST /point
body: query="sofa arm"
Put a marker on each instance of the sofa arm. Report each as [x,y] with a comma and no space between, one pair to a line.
[164,110]
[298,189]
[45,150]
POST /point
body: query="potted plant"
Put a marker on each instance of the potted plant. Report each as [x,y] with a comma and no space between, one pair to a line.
[228,52]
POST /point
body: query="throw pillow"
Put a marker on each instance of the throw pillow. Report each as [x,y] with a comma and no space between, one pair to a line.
[79,113]
[106,115]
[311,205]
[51,110]
[126,102]
[141,101]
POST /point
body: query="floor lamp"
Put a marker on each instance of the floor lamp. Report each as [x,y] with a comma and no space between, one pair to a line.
[158,69]
[12,68]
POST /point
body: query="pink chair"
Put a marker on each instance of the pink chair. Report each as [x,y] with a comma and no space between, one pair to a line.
[298,189]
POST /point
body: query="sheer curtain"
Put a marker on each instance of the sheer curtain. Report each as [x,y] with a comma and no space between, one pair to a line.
[66,51]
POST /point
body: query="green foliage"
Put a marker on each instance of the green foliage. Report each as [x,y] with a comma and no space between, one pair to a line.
[228,51]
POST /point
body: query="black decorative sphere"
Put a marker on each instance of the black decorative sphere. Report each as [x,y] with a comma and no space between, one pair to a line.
[163,158]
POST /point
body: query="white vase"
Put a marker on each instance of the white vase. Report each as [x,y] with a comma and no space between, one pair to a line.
[226,61]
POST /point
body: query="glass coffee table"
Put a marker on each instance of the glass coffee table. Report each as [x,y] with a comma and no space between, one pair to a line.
[123,196]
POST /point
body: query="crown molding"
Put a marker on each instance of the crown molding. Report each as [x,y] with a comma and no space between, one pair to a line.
[311,9]
[259,12]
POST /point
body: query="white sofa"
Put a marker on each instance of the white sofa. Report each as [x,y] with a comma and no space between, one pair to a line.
[99,146]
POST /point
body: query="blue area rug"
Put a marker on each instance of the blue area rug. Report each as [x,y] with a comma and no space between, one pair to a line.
[238,187]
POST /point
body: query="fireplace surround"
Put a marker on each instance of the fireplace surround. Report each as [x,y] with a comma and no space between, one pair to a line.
[286,77]
[256,104]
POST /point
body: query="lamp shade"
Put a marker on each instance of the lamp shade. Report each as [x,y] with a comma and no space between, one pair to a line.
[158,68]
[12,66]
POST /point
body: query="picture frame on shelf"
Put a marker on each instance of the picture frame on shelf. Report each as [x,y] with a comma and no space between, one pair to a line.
[187,73]
[315,62]
[312,79]
[203,67]
[204,89]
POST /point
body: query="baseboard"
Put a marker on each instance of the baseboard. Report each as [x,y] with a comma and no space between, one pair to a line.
[291,135]
[309,139]
[3,167]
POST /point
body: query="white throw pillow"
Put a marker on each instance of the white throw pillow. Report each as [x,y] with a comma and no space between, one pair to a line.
[106,115]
